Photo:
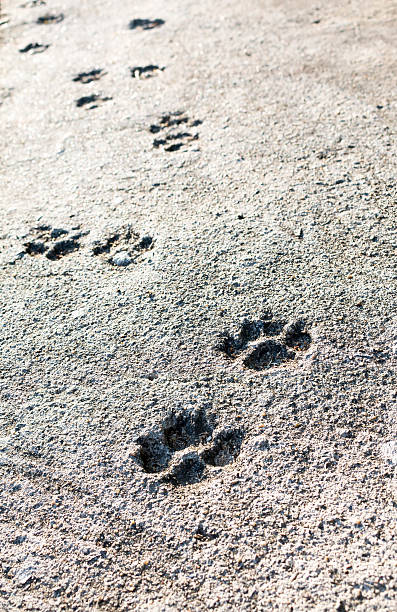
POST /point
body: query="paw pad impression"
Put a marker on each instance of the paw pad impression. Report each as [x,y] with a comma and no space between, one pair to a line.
[174,131]
[54,243]
[184,447]
[265,343]
[122,247]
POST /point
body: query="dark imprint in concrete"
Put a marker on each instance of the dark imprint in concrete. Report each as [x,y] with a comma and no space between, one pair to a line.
[145,24]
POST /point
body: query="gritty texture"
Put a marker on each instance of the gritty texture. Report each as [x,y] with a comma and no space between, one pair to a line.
[198,305]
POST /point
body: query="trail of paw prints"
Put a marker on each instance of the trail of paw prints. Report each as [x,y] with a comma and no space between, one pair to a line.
[122,247]
[145,24]
[145,72]
[266,343]
[119,248]
[186,446]
[35,47]
[175,131]
[93,100]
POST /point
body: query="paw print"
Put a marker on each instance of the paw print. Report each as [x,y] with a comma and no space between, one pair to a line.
[175,131]
[123,247]
[49,19]
[33,48]
[120,248]
[89,77]
[92,101]
[145,24]
[265,343]
[51,242]
[185,446]
[145,72]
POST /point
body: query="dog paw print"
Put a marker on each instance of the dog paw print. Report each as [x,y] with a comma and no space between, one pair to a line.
[185,446]
[174,131]
[33,3]
[49,19]
[88,77]
[145,72]
[34,48]
[53,243]
[122,247]
[92,101]
[224,448]
[145,24]
[265,343]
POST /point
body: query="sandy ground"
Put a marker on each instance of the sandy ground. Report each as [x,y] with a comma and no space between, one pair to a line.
[198,305]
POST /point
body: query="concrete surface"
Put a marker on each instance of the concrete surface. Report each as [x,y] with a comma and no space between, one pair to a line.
[198,305]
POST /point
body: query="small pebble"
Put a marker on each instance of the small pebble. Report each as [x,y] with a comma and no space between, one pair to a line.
[24,575]
[122,259]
